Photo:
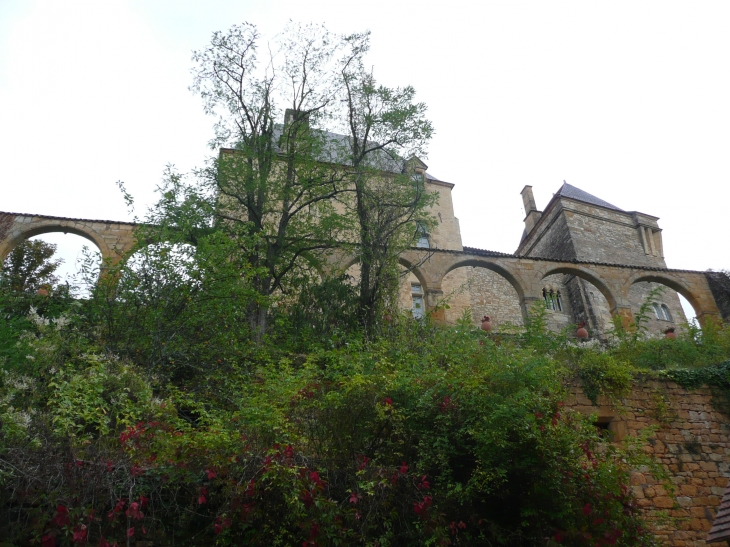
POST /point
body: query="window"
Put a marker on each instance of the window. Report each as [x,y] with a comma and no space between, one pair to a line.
[658,311]
[417,298]
[665,312]
[662,312]
[422,236]
[553,300]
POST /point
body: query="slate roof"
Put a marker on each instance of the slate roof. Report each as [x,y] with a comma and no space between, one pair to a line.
[570,191]
[720,530]
[336,147]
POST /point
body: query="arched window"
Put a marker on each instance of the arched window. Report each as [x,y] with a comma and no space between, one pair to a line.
[552,299]
[665,313]
[658,311]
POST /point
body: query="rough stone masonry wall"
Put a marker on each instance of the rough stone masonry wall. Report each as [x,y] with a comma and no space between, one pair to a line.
[692,442]
[492,295]
[552,238]
[602,235]
[639,293]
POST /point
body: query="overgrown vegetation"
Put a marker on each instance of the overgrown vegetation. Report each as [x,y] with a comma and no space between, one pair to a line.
[201,395]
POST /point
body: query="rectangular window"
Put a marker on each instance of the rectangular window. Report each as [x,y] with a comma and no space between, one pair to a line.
[417,298]
[422,237]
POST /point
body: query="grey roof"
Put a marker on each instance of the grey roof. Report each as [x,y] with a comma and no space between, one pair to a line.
[720,530]
[570,191]
[429,176]
[336,147]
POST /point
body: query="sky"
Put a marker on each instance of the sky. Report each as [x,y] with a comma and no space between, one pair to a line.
[626,100]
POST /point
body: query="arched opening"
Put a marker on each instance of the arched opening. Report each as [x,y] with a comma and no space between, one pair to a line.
[584,298]
[677,305]
[81,260]
[412,293]
[159,266]
[79,253]
[478,289]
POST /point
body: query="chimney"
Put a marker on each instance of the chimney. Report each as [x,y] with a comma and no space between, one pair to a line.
[296,116]
[533,215]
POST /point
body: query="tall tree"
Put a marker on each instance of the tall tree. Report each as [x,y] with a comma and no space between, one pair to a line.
[388,197]
[29,266]
[275,192]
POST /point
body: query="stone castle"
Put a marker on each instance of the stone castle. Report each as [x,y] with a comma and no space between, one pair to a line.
[584,259]
[575,226]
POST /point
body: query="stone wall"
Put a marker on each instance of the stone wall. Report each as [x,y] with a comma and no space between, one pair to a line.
[447,233]
[551,238]
[638,294]
[692,442]
[604,235]
[492,295]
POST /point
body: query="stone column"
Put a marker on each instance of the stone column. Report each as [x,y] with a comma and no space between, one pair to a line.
[438,316]
[626,315]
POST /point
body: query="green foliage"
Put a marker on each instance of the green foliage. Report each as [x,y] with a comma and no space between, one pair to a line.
[217,388]
[29,267]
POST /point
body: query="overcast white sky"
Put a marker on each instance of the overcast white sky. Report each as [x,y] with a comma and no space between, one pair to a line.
[629,101]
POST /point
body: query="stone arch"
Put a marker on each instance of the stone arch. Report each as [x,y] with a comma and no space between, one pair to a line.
[591,277]
[667,281]
[33,230]
[586,299]
[488,288]
[415,270]
[478,263]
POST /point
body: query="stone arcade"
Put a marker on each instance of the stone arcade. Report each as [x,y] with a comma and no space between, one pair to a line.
[583,258]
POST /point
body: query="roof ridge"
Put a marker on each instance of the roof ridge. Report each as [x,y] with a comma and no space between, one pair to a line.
[573,192]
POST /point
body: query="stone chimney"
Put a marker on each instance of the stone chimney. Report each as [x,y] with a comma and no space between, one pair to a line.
[291,116]
[533,215]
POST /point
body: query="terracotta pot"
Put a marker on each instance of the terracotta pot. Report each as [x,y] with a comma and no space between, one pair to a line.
[670,334]
[42,292]
[486,324]
[582,333]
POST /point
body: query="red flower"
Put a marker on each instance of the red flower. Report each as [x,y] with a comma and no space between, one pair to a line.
[48,541]
[403,468]
[354,498]
[211,474]
[587,509]
[363,462]
[61,518]
[143,501]
[314,477]
[201,499]
[134,512]
[130,532]
[422,507]
[424,484]
[79,534]
[558,537]
[388,401]
[137,471]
